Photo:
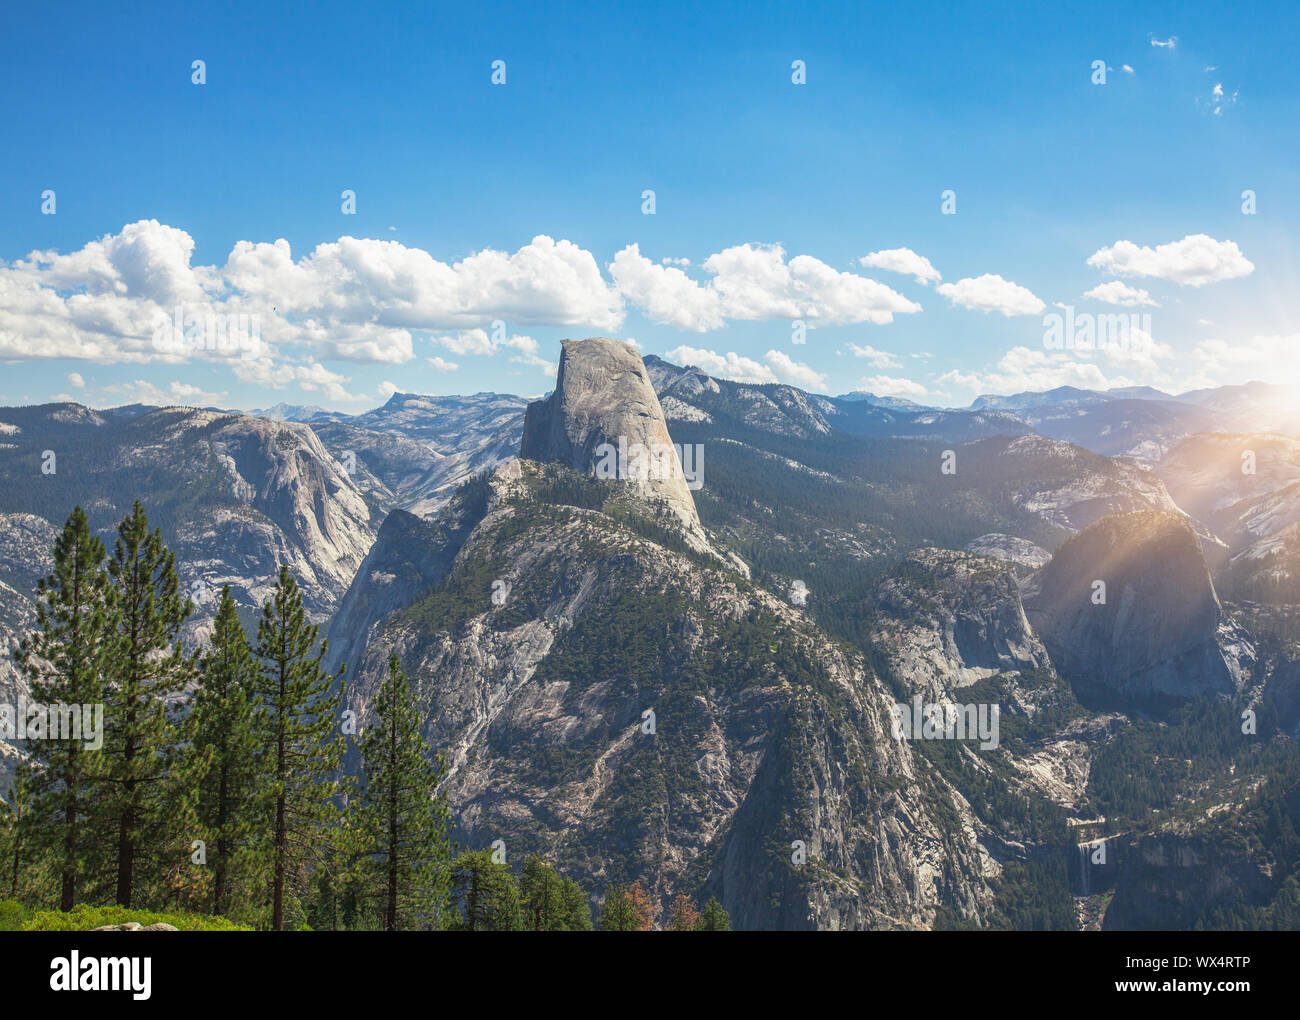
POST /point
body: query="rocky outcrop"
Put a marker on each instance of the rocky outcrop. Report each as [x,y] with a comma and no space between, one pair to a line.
[633,713]
[948,619]
[602,412]
[1127,610]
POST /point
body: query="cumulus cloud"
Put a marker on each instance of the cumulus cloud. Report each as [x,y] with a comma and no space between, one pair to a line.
[442,364]
[1273,358]
[665,294]
[352,299]
[991,293]
[776,366]
[1194,261]
[878,359]
[725,366]
[905,261]
[176,393]
[1117,293]
[891,386]
[795,372]
[76,381]
[753,282]
[1022,368]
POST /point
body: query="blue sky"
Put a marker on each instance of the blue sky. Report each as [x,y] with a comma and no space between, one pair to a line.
[522,203]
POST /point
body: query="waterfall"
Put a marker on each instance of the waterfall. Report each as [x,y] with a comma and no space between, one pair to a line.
[1085,868]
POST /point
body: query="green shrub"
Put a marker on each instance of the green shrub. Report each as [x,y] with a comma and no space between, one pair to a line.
[12,915]
[84,917]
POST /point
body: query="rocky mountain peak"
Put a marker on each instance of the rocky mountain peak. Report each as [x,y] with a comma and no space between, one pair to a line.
[1127,608]
[604,418]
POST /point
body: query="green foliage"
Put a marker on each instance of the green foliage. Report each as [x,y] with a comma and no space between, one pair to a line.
[403,817]
[228,766]
[713,917]
[13,915]
[298,712]
[552,902]
[617,912]
[86,918]
[486,894]
[65,661]
[139,799]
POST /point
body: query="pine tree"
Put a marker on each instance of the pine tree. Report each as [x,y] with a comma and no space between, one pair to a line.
[404,817]
[683,916]
[542,890]
[617,913]
[64,662]
[486,893]
[16,837]
[577,911]
[714,918]
[297,715]
[641,907]
[227,772]
[148,667]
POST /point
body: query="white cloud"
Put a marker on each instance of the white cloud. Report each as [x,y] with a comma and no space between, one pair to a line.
[1194,261]
[1023,369]
[795,372]
[905,261]
[725,366]
[1118,293]
[754,282]
[991,293]
[529,354]
[1127,69]
[442,364]
[468,341]
[878,359]
[177,393]
[1167,44]
[352,299]
[1217,362]
[665,294]
[76,381]
[891,386]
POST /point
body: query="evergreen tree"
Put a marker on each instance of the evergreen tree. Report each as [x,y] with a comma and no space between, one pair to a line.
[542,890]
[714,918]
[577,911]
[64,662]
[486,892]
[641,907]
[404,817]
[227,771]
[618,913]
[142,800]
[297,713]
[17,846]
[683,916]
[552,902]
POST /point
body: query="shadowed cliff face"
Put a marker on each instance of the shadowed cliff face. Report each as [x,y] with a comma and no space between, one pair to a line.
[1160,631]
[604,401]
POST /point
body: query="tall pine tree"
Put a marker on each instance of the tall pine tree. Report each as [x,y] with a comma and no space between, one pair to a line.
[298,716]
[64,661]
[142,800]
[403,817]
[227,772]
